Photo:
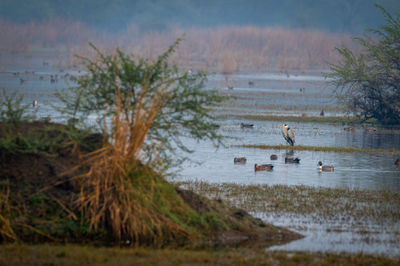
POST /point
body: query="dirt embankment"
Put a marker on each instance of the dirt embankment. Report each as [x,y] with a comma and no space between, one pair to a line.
[39,192]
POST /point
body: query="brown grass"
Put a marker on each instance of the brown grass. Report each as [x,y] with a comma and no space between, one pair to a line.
[108,197]
[88,255]
[222,49]
[6,231]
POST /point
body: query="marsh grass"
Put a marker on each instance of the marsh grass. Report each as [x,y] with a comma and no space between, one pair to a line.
[319,148]
[89,255]
[305,119]
[275,107]
[350,206]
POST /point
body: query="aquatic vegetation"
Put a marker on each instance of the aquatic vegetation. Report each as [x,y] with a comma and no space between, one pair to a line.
[382,206]
[312,119]
[367,213]
[318,148]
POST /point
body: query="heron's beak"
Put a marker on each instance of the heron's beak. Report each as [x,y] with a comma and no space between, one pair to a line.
[281,126]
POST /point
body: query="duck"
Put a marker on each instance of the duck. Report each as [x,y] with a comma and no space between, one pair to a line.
[35,104]
[263,167]
[325,168]
[292,160]
[243,125]
[397,162]
[239,160]
[274,157]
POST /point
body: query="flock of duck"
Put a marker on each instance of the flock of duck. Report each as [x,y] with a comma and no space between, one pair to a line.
[52,78]
[288,135]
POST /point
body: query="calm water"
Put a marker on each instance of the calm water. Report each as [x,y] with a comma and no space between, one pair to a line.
[354,170]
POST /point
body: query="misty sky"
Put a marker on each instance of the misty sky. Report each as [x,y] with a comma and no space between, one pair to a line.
[332,15]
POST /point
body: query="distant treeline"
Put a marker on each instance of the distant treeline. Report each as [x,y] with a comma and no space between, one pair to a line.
[332,15]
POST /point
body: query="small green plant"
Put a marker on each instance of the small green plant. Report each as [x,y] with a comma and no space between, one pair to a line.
[12,109]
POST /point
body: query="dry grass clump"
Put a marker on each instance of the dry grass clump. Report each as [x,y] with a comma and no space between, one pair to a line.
[6,231]
[118,192]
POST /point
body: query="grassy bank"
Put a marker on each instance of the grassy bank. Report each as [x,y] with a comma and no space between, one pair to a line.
[321,204]
[42,182]
[85,255]
[318,148]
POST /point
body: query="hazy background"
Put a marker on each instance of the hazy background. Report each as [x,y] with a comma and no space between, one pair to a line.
[225,36]
[332,15]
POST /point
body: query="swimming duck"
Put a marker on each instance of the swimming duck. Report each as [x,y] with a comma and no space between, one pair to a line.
[397,162]
[349,128]
[239,160]
[263,167]
[292,160]
[325,168]
[274,157]
[243,125]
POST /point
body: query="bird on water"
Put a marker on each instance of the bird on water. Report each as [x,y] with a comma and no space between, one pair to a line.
[263,167]
[239,160]
[243,125]
[274,157]
[288,134]
[325,168]
[292,160]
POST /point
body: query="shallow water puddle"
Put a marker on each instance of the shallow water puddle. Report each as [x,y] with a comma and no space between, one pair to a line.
[331,236]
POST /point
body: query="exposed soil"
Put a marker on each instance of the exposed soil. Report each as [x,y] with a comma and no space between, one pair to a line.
[28,173]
